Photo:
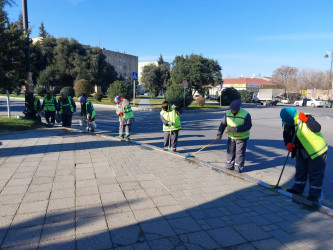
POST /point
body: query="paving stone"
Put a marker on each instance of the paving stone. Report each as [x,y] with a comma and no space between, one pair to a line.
[198,240]
[157,229]
[268,244]
[98,240]
[184,225]
[126,235]
[164,200]
[112,197]
[11,199]
[9,209]
[148,214]
[92,224]
[226,236]
[251,232]
[173,211]
[93,199]
[28,219]
[61,203]
[22,236]
[89,211]
[35,206]
[119,220]
[116,207]
[63,229]
[56,244]
[141,204]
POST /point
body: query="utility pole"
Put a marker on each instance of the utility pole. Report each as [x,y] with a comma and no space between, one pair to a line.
[29,111]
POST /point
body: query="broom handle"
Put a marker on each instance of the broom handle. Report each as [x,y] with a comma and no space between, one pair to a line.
[210,143]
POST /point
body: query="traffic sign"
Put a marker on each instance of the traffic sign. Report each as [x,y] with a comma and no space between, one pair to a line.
[185,84]
[135,76]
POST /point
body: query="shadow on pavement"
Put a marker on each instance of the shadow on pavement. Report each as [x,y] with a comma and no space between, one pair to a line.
[250,218]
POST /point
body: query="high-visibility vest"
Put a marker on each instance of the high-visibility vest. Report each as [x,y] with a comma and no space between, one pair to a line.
[127,111]
[49,104]
[69,104]
[36,102]
[93,112]
[314,143]
[171,116]
[235,121]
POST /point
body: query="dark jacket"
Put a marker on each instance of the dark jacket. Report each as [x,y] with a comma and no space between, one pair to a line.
[66,109]
[247,125]
[86,107]
[289,132]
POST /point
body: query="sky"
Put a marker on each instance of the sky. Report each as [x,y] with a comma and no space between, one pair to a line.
[246,37]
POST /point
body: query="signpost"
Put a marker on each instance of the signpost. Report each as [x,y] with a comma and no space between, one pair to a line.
[134,78]
[185,85]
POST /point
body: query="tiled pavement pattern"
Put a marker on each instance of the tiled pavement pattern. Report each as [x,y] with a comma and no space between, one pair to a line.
[63,190]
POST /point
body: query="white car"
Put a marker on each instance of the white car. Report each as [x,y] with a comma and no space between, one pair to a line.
[286,101]
[311,102]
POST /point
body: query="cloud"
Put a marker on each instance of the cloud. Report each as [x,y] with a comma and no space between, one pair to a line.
[299,36]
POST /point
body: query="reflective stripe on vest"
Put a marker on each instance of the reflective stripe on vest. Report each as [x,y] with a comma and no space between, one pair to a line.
[36,102]
[93,112]
[235,121]
[314,143]
[171,116]
[127,111]
[69,104]
[49,104]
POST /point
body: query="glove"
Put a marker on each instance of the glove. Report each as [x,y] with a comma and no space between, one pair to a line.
[120,113]
[170,123]
[173,106]
[89,118]
[233,129]
[302,117]
[290,146]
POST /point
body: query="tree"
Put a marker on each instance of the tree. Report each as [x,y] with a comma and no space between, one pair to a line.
[119,88]
[156,77]
[198,71]
[228,95]
[175,95]
[42,32]
[312,79]
[12,47]
[83,86]
[285,76]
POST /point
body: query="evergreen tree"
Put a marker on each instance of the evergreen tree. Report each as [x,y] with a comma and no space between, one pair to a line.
[42,32]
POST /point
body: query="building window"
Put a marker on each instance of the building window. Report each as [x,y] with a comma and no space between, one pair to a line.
[119,67]
[124,61]
[119,60]
[125,67]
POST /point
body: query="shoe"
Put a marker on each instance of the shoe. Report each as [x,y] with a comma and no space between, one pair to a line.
[232,168]
[240,171]
[173,150]
[293,191]
[127,139]
[313,198]
[164,149]
[119,138]
[92,130]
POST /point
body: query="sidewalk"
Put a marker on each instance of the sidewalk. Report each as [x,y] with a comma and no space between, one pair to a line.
[75,190]
[145,105]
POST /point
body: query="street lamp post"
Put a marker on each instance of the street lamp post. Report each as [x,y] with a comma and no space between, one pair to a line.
[29,86]
[330,53]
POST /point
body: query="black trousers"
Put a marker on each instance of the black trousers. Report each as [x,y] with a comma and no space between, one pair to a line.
[48,115]
[67,120]
[236,154]
[312,169]
[173,139]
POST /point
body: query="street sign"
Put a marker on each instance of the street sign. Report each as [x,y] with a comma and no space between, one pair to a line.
[304,91]
[134,76]
[185,84]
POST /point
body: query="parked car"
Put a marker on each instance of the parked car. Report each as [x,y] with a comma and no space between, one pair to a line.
[311,102]
[285,100]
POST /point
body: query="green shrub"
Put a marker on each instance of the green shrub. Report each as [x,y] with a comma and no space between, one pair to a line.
[228,95]
[56,90]
[175,95]
[78,94]
[3,90]
[83,86]
[246,96]
[69,91]
[17,91]
[98,96]
[40,91]
[119,88]
[200,101]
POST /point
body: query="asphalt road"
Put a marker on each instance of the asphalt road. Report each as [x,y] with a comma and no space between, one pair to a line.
[266,152]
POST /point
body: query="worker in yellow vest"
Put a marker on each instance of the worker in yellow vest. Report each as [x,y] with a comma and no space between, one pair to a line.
[50,106]
[238,122]
[310,149]
[37,105]
[171,125]
[126,117]
[87,111]
[66,107]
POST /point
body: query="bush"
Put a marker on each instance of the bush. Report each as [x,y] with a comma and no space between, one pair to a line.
[40,91]
[83,86]
[119,88]
[69,91]
[175,95]
[17,91]
[200,101]
[246,96]
[98,96]
[78,94]
[3,90]
[228,95]
[56,90]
